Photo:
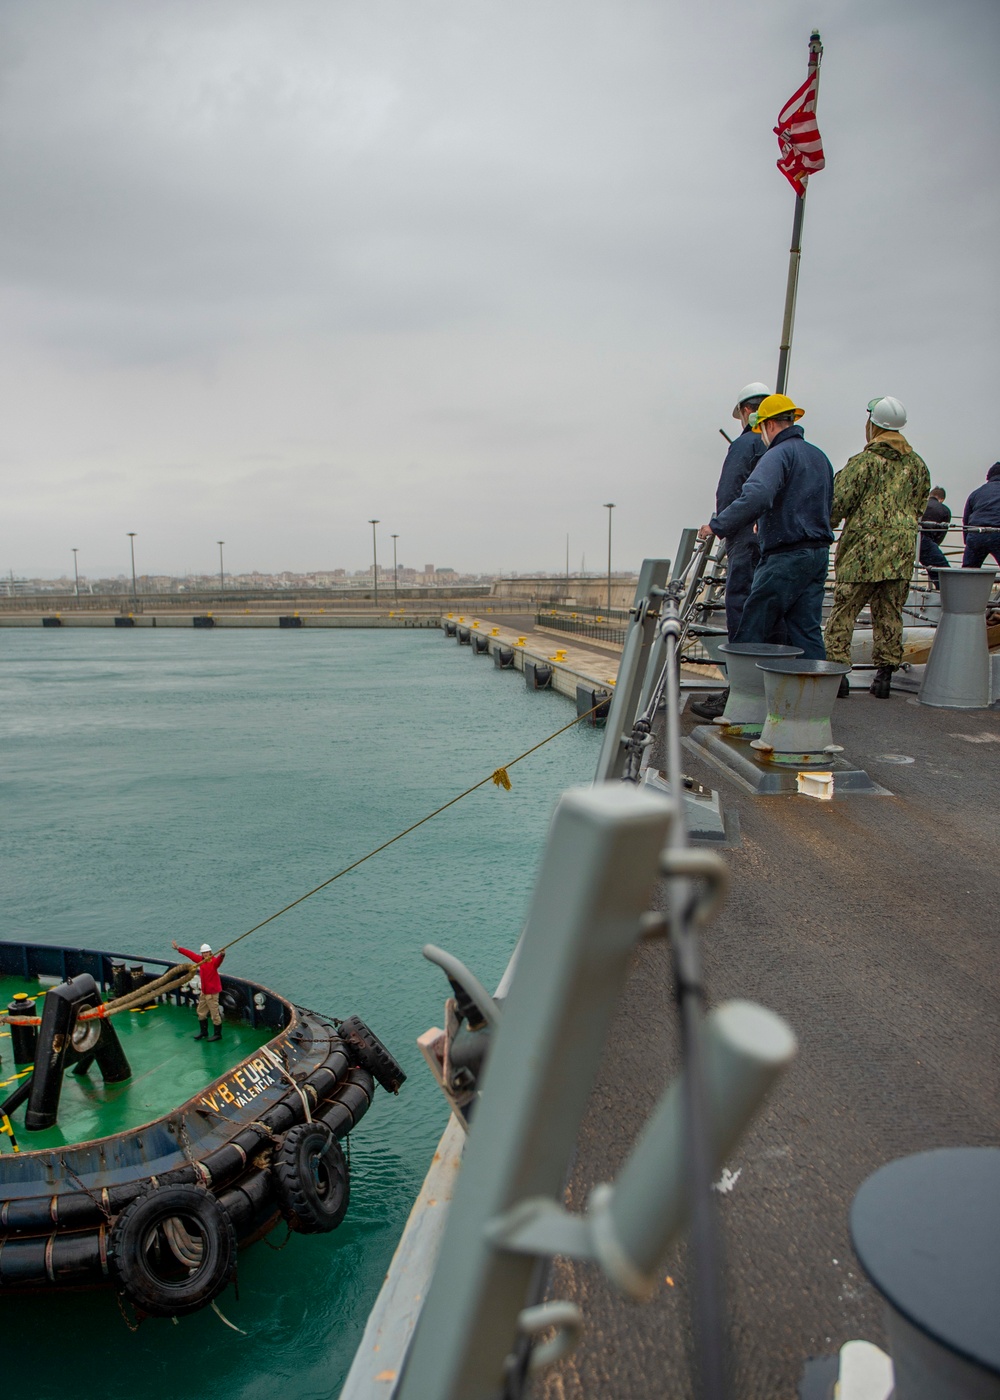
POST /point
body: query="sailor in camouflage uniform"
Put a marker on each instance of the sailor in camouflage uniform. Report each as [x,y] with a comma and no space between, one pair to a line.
[880,495]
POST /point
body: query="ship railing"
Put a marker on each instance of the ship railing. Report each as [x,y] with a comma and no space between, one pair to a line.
[705,607]
[614,850]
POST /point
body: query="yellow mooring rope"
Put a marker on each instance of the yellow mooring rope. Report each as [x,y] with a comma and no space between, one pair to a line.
[183,972]
[498,776]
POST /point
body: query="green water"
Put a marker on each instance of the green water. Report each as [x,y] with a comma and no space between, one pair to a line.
[173,785]
[166,1068]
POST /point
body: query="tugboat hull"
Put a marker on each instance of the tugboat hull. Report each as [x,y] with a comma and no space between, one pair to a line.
[158,1211]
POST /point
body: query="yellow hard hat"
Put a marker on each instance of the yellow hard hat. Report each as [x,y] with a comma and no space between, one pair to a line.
[773,407]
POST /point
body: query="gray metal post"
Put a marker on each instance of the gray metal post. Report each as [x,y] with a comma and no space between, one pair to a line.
[395,571]
[76,575]
[222,570]
[373,523]
[609,507]
[639,640]
[958,670]
[135,600]
[682,565]
[795,252]
[596,881]
[800,698]
[747,703]
[685,548]
[791,294]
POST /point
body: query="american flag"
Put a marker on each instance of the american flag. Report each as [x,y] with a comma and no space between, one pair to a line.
[798,136]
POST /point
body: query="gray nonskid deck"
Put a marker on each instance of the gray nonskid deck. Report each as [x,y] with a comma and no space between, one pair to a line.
[872,928]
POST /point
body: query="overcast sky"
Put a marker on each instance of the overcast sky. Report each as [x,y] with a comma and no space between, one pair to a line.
[473,267]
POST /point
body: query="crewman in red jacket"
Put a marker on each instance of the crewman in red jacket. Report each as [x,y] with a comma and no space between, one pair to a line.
[211,985]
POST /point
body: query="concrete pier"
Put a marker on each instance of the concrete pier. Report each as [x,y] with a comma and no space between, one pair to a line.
[592,664]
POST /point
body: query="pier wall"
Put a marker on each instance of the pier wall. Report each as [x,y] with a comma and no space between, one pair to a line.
[214,620]
[571,665]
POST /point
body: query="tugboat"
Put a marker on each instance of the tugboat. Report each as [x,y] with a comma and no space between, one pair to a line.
[130,1160]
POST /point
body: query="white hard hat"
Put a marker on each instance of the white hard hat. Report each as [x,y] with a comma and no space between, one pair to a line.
[887,413]
[750,391]
[205,948]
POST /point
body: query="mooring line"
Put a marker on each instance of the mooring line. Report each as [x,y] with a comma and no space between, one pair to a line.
[498,776]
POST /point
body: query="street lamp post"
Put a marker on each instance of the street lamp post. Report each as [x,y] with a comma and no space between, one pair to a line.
[222,572]
[373,523]
[76,575]
[395,571]
[609,507]
[131,541]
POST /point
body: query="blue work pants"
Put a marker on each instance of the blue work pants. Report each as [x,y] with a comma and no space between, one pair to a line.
[978,545]
[788,588]
[742,558]
[932,556]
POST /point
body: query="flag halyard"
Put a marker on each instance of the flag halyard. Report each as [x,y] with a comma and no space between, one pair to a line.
[798,135]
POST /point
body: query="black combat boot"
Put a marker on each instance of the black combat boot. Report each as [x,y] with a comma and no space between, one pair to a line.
[712,705]
[218,1032]
[881,685]
[202,1030]
[844,692]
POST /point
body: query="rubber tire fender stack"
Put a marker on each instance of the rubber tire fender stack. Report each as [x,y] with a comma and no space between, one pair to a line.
[368,1051]
[139,1240]
[311,1180]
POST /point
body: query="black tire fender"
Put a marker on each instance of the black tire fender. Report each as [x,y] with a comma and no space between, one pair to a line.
[368,1051]
[173,1250]
[311,1180]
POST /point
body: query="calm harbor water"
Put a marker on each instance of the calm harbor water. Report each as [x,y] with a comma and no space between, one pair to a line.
[161,785]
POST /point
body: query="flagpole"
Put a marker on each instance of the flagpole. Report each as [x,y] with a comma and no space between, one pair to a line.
[795,252]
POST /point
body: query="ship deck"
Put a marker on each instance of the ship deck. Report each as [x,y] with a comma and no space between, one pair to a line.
[168,1068]
[870,923]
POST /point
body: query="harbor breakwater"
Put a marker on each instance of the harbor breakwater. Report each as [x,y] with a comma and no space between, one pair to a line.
[294,618]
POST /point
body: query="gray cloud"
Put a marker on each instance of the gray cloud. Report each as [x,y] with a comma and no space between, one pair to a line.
[269,271]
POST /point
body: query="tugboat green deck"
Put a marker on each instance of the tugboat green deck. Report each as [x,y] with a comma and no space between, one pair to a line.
[168,1067]
[148,1182]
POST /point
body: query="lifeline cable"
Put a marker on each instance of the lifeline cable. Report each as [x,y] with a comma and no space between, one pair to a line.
[498,776]
[183,972]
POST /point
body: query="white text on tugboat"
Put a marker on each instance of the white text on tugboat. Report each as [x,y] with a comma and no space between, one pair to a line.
[245,1083]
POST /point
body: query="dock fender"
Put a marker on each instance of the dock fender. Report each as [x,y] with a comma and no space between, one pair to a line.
[173,1250]
[311,1180]
[367,1050]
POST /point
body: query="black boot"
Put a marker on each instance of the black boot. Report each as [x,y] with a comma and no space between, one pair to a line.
[844,692]
[218,1032]
[202,1030]
[712,705]
[882,683]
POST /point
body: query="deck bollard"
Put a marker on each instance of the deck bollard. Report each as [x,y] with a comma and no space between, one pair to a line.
[23,1039]
[747,703]
[800,697]
[958,670]
[926,1230]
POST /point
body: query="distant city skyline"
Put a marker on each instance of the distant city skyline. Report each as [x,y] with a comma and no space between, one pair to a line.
[426,577]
